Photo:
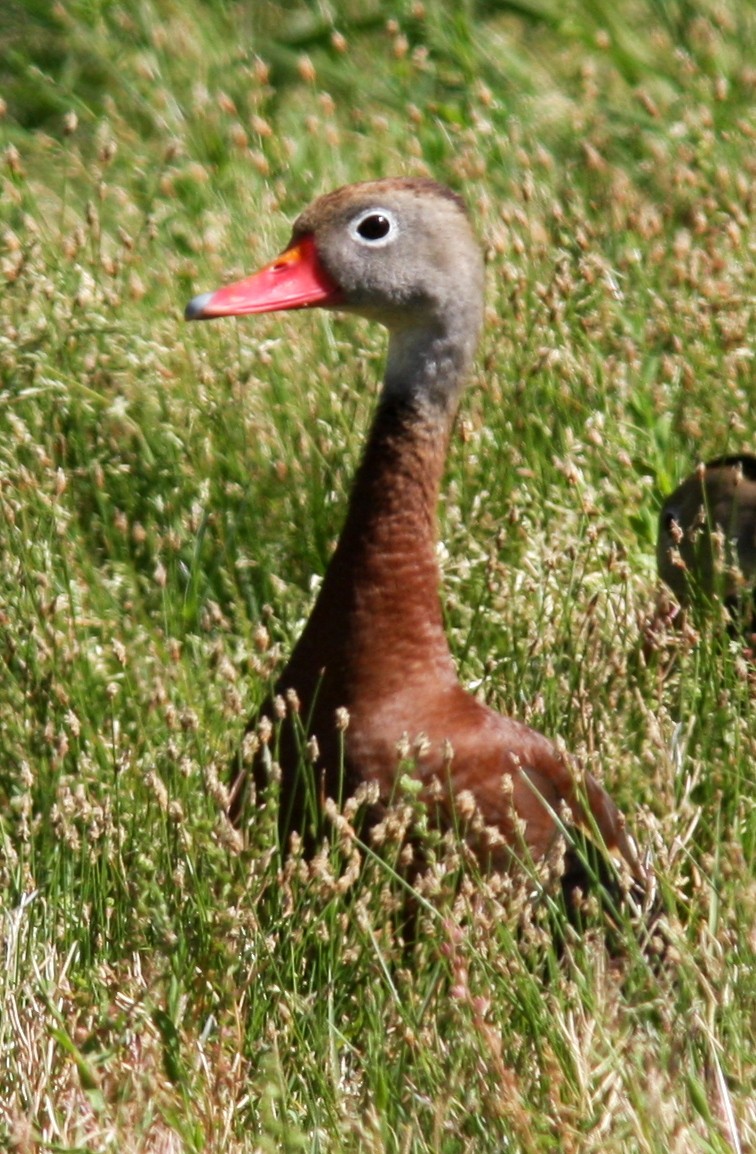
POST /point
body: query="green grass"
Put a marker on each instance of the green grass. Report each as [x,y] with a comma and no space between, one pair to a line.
[168,493]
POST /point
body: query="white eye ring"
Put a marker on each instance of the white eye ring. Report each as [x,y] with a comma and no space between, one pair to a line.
[374,228]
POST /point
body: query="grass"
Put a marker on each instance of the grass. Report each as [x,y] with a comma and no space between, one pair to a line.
[168,494]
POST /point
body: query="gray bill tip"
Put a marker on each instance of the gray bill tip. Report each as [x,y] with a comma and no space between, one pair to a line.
[195,310]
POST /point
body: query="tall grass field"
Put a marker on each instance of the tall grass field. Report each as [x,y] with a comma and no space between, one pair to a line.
[170,496]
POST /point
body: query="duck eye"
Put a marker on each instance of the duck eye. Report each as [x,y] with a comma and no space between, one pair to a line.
[376,226]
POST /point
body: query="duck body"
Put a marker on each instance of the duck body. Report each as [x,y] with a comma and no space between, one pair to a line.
[719,498]
[375,644]
[403,252]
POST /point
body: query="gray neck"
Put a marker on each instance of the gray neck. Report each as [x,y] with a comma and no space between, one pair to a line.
[427,365]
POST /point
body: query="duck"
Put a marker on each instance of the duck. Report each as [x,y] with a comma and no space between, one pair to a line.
[706,542]
[372,671]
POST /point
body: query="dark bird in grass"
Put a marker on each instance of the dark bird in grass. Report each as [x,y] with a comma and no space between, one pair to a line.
[706,545]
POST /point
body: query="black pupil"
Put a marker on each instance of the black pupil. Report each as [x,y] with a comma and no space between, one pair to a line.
[374,227]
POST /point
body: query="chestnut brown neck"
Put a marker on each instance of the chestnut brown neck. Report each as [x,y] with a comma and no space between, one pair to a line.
[377,621]
[376,631]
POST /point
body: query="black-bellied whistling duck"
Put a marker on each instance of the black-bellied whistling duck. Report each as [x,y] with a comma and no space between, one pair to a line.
[402,252]
[707,534]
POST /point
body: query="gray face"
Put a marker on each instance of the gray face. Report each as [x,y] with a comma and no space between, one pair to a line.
[403,252]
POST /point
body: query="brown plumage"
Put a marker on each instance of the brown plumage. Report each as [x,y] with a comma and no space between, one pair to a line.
[402,252]
[707,534]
